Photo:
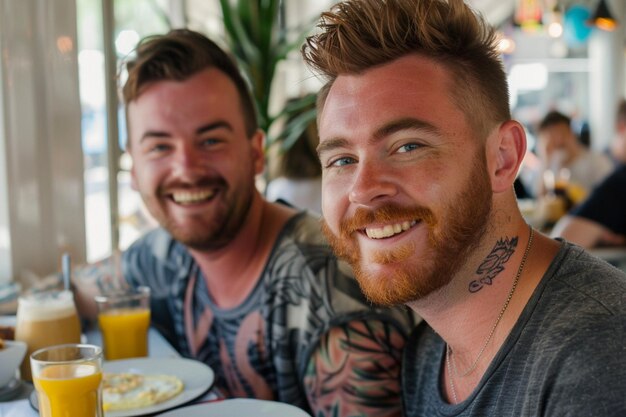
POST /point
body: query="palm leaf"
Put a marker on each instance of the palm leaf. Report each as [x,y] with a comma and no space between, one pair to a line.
[259,44]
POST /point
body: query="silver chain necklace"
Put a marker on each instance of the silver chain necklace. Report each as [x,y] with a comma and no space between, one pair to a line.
[449,352]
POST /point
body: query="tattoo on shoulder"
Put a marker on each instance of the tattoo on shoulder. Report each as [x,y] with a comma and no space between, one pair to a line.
[355,371]
[493,263]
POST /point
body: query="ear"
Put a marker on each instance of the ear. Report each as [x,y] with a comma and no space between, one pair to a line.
[506,149]
[257,142]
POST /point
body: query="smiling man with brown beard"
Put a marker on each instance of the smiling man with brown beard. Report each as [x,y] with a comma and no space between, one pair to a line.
[247,286]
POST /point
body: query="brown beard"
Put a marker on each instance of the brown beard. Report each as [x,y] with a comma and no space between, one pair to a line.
[217,231]
[451,237]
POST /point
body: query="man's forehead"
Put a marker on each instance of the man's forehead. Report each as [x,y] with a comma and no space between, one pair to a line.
[402,88]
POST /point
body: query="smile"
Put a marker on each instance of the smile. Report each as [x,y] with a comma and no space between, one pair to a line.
[191,197]
[388,230]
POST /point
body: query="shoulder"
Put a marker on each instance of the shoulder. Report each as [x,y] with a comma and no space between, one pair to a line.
[578,313]
[304,254]
[302,249]
[316,290]
[305,229]
[154,252]
[617,177]
[586,280]
[157,241]
[580,347]
[591,167]
[598,160]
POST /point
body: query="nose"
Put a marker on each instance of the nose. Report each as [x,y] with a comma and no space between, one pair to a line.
[188,162]
[372,183]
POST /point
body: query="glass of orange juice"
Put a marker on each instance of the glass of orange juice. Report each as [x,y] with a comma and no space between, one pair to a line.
[124,318]
[68,380]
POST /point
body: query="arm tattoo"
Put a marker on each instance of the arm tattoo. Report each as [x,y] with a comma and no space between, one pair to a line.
[90,280]
[355,371]
[493,263]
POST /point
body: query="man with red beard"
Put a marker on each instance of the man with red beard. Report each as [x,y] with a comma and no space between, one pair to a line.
[247,286]
[419,155]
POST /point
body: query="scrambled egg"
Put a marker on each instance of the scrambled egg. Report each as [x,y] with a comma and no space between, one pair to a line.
[126,391]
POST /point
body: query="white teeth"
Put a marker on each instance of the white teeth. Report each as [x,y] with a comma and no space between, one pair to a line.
[190,197]
[388,230]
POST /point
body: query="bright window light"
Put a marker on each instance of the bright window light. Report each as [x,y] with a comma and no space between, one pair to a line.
[126,41]
[528,77]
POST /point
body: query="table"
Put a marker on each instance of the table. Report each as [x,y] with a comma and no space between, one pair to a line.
[20,407]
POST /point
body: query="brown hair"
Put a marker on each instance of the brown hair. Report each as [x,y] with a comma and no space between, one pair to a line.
[554,118]
[178,55]
[359,34]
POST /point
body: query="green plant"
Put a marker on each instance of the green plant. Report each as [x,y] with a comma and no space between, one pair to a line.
[259,41]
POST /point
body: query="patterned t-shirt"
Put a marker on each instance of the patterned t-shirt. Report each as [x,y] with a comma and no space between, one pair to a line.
[261,347]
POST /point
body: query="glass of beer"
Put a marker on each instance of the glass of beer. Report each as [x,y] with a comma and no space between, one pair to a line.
[45,319]
[124,318]
[67,379]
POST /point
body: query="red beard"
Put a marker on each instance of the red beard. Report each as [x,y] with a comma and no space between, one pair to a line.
[451,236]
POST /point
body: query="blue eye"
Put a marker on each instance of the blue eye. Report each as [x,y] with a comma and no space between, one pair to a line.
[342,162]
[408,147]
[210,142]
[159,148]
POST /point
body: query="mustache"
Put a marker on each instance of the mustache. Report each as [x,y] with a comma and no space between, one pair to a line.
[385,214]
[205,182]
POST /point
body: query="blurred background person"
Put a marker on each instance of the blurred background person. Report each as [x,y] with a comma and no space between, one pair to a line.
[297,176]
[564,158]
[564,171]
[601,219]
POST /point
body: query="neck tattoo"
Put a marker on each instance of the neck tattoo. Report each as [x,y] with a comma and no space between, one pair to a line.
[451,362]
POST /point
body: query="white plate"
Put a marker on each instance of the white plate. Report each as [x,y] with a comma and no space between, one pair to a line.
[239,407]
[196,376]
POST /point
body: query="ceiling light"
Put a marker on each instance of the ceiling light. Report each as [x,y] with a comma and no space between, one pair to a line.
[602,17]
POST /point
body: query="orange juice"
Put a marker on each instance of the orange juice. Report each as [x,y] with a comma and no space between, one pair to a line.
[66,390]
[125,332]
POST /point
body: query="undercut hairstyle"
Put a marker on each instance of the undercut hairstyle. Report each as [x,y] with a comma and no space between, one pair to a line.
[554,118]
[357,35]
[177,56]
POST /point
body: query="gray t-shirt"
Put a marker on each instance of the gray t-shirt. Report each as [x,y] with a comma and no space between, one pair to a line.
[565,356]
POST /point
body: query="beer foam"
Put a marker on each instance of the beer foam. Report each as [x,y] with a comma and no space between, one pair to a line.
[49,305]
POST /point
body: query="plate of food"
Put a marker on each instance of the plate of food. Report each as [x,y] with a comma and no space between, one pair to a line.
[238,407]
[135,387]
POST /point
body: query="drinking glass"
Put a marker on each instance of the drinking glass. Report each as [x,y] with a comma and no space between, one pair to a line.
[45,319]
[124,318]
[68,380]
